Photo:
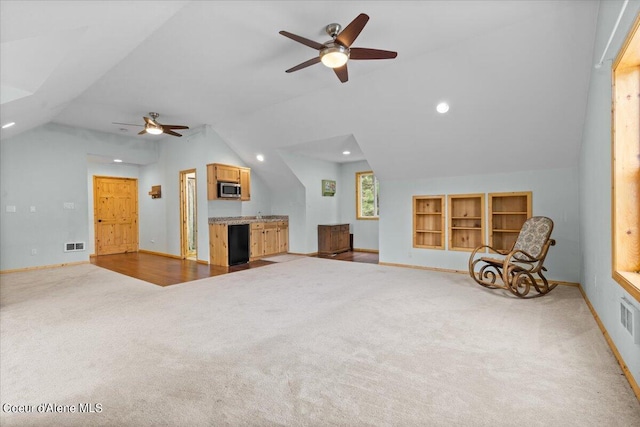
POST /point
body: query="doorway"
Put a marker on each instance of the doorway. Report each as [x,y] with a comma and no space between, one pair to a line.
[188,215]
[115,215]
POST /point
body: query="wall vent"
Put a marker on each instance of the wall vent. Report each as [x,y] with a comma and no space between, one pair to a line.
[74,246]
[630,319]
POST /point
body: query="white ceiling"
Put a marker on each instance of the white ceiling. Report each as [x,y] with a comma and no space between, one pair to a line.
[516,74]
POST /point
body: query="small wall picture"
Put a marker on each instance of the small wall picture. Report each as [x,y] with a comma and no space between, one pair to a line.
[328,187]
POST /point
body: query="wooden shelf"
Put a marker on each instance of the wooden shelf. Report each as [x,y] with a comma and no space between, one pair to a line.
[428,222]
[466,221]
[507,213]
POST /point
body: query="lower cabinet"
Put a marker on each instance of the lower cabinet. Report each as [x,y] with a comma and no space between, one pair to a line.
[333,238]
[269,238]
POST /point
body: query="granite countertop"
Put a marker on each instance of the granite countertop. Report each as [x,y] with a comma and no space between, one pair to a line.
[235,220]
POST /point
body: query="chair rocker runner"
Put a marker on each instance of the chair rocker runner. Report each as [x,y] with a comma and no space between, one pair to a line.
[518,269]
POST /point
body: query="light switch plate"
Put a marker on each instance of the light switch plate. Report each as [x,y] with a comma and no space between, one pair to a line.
[10,208]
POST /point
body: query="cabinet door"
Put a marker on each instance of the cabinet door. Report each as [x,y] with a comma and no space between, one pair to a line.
[283,237]
[335,238]
[344,237]
[227,173]
[257,240]
[218,244]
[270,239]
[212,191]
[245,184]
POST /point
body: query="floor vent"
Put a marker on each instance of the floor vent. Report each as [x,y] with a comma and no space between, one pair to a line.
[74,246]
[630,319]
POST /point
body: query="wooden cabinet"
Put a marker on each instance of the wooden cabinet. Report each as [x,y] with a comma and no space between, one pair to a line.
[466,221]
[226,173]
[217,172]
[428,222]
[283,236]
[507,213]
[245,184]
[333,238]
[268,238]
[218,244]
[257,240]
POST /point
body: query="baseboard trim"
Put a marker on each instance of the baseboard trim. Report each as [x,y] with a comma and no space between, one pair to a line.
[144,251]
[371,251]
[43,267]
[465,272]
[614,349]
[421,267]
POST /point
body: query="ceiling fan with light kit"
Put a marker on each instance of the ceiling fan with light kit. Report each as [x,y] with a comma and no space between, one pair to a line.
[336,52]
[154,127]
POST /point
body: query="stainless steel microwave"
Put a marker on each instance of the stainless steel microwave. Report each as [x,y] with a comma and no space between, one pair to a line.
[229,190]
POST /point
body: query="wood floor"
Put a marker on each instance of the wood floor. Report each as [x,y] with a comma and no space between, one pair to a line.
[165,271]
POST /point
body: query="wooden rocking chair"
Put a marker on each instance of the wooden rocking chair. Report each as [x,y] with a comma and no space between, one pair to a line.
[518,268]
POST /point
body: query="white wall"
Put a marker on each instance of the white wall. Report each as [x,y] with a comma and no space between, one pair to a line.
[595,188]
[555,194]
[160,218]
[318,209]
[365,232]
[46,167]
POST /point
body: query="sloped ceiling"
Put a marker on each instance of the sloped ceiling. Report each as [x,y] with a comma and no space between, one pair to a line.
[515,73]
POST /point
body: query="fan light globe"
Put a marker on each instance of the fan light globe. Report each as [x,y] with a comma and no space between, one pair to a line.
[154,130]
[334,55]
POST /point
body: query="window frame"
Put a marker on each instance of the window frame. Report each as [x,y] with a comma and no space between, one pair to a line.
[376,185]
[625,145]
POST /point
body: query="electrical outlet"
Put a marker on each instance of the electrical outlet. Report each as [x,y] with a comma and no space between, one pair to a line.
[34,252]
[32,209]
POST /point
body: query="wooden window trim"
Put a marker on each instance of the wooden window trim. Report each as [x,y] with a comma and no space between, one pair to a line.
[358,216]
[625,142]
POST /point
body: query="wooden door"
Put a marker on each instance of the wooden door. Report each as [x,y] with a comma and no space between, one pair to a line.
[115,214]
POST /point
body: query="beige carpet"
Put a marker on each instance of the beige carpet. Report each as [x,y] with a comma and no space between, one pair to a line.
[309,342]
[284,258]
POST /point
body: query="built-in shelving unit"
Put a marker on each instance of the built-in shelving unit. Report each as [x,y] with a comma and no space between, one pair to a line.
[507,213]
[428,222]
[466,221]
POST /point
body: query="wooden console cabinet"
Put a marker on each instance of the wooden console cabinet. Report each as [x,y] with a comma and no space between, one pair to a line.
[333,238]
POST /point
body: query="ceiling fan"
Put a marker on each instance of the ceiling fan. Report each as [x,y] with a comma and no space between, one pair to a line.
[336,52]
[154,127]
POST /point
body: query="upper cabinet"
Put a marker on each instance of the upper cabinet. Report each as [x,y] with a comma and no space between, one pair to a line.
[217,172]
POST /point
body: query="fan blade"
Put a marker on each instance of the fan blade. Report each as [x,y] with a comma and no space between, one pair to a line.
[342,73]
[302,40]
[363,53]
[349,34]
[170,132]
[304,65]
[174,127]
[126,124]
[143,131]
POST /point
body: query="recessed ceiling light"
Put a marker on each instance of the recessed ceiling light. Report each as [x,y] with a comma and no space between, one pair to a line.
[442,108]
[346,153]
[117,160]
[260,158]
[8,125]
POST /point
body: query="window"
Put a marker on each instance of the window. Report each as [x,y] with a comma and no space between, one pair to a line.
[625,168]
[367,199]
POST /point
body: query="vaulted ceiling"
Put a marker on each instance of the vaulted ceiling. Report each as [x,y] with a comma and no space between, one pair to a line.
[515,73]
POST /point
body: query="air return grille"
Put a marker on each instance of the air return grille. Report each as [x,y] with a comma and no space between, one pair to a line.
[630,319]
[74,246]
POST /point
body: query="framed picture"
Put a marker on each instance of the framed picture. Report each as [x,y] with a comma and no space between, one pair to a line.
[328,187]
